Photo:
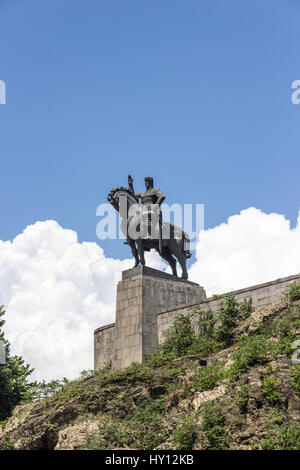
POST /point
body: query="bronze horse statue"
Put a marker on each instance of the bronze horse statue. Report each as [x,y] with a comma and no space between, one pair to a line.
[135,218]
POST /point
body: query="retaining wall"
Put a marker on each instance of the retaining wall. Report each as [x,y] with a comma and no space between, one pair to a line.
[261,294]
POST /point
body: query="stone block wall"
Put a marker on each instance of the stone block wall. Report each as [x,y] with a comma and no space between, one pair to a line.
[261,294]
[141,294]
[104,338]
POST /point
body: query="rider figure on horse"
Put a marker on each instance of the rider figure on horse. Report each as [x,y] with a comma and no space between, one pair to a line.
[151,195]
[151,200]
[142,224]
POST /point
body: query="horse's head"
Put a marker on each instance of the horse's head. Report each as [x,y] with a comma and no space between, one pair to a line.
[115,195]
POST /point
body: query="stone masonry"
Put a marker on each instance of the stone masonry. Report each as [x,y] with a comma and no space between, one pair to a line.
[261,294]
[142,292]
[148,301]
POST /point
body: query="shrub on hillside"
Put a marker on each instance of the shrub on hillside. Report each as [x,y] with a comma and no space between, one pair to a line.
[184,434]
[292,292]
[287,437]
[214,435]
[14,375]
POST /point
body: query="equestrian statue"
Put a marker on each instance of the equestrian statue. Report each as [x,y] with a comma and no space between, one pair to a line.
[144,228]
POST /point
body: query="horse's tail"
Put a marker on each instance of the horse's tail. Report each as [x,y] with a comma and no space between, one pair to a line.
[186,245]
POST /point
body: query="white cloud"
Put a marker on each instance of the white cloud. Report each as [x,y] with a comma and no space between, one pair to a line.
[252,247]
[57,290]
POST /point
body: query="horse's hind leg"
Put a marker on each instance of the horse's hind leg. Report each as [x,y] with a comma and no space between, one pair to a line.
[182,261]
[134,251]
[170,259]
[141,251]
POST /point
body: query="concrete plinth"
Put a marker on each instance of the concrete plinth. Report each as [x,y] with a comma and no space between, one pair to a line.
[142,292]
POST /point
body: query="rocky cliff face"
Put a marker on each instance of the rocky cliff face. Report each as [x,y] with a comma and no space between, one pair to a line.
[247,397]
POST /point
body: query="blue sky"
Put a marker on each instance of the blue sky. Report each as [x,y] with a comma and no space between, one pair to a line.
[195,93]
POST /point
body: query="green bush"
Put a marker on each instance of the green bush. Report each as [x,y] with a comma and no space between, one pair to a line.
[245,308]
[276,416]
[228,315]
[180,336]
[6,443]
[147,422]
[204,347]
[269,369]
[253,350]
[239,421]
[270,390]
[112,432]
[205,322]
[292,292]
[286,438]
[178,339]
[230,312]
[181,339]
[286,337]
[14,385]
[136,372]
[242,397]
[295,379]
[141,429]
[196,333]
[159,358]
[184,435]
[214,436]
[206,378]
[41,390]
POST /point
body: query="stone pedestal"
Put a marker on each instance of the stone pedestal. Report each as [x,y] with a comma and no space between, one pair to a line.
[142,292]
